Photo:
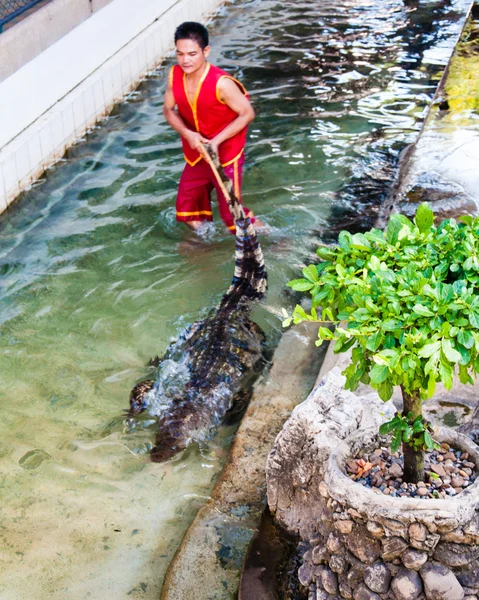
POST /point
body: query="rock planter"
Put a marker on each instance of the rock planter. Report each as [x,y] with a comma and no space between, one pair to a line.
[363,545]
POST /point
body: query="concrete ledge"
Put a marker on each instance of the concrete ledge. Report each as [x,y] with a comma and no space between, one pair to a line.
[78,80]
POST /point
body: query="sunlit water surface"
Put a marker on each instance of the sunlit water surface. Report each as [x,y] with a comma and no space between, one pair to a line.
[97,277]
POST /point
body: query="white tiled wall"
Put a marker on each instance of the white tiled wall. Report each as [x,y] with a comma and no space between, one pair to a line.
[42,143]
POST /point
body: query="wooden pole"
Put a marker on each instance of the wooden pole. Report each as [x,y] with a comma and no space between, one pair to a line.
[209,160]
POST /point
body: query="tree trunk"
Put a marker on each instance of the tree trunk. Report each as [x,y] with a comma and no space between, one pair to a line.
[413,459]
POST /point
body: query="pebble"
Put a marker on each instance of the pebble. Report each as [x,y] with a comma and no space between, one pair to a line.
[447,471]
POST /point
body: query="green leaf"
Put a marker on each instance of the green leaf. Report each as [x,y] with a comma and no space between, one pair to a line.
[391,325]
[311,273]
[374,341]
[387,427]
[321,295]
[424,218]
[325,334]
[395,443]
[449,352]
[379,373]
[429,349]
[300,285]
[465,338]
[394,227]
[429,442]
[326,253]
[474,319]
[344,240]
[446,374]
[385,390]
[374,263]
[422,310]
[467,219]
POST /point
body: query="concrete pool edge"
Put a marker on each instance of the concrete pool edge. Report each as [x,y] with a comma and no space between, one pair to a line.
[61,116]
[440,165]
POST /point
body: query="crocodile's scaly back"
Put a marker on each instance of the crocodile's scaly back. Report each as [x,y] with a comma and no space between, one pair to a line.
[222,353]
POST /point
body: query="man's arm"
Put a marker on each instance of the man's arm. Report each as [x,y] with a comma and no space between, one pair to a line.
[231,95]
[173,118]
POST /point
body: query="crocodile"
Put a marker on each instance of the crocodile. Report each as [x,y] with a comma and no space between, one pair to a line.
[213,364]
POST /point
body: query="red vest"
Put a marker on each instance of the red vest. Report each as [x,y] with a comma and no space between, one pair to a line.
[208,114]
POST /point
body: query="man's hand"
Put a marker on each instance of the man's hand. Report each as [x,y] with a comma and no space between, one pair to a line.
[213,144]
[194,139]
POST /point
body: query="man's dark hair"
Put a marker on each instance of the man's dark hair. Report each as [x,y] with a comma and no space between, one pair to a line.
[192,31]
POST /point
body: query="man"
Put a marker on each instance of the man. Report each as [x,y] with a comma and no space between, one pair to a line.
[211,108]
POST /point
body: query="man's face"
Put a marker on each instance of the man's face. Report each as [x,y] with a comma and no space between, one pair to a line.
[190,56]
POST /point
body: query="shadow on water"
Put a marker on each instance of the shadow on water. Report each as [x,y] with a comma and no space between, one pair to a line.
[96,277]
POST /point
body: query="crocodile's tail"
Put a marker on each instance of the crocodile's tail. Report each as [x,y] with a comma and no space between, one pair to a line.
[250,279]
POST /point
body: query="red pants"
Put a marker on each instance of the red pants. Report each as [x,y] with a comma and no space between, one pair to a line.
[193,202]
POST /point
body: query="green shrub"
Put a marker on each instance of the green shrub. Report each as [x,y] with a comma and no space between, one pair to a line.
[408,299]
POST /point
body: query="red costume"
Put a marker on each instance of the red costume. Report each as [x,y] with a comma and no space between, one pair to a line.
[208,115]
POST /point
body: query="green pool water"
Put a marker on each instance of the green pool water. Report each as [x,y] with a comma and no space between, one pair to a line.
[96,277]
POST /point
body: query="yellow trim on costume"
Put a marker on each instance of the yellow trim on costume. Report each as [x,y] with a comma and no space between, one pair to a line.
[170,77]
[232,227]
[233,159]
[195,162]
[236,180]
[243,89]
[197,93]
[194,214]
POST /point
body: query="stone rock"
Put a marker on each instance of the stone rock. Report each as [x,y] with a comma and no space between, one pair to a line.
[406,585]
[472,528]
[338,564]
[439,470]
[392,548]
[396,471]
[375,529]
[445,525]
[354,577]
[470,577]
[322,595]
[330,581]
[345,590]
[305,574]
[428,544]
[323,490]
[357,516]
[365,549]
[414,559]
[377,577]
[440,583]
[320,555]
[334,543]
[470,597]
[418,532]
[362,592]
[395,527]
[318,572]
[455,555]
[344,526]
